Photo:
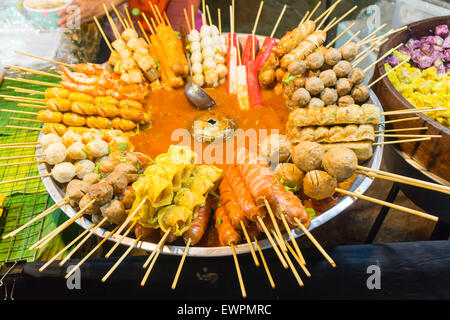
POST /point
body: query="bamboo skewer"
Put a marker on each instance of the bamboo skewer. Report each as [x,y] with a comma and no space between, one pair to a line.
[366,52]
[370,35]
[119,241]
[296,257]
[118,262]
[289,261]
[315,242]
[43,214]
[352,37]
[158,247]
[130,216]
[219,21]
[386,73]
[27,178]
[23,128]
[400,141]
[400,130]
[42,73]
[22,156]
[388,204]
[254,29]
[119,16]
[305,18]
[400,120]
[274,246]
[143,32]
[18,144]
[188,24]
[65,248]
[28,105]
[103,34]
[252,251]
[98,225]
[313,11]
[331,8]
[297,249]
[129,17]
[340,35]
[382,57]
[193,17]
[21,163]
[209,15]
[325,18]
[406,111]
[23,90]
[180,266]
[266,268]
[278,21]
[408,135]
[45,59]
[40,83]
[25,119]
[275,224]
[238,271]
[78,265]
[402,179]
[155,253]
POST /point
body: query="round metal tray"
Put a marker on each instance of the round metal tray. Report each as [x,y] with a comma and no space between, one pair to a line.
[360,185]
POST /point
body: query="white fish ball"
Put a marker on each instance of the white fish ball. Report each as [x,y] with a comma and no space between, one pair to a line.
[219,59]
[206,42]
[194,36]
[205,31]
[198,79]
[63,172]
[48,139]
[208,52]
[75,151]
[196,57]
[83,167]
[214,30]
[55,153]
[97,148]
[209,63]
[195,46]
[222,70]
[197,68]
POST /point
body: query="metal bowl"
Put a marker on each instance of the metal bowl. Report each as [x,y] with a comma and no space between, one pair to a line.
[360,185]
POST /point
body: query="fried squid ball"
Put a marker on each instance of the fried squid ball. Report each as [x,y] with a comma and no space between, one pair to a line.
[345,101]
[343,86]
[340,162]
[48,139]
[316,103]
[349,51]
[55,153]
[328,78]
[319,185]
[307,155]
[314,85]
[70,137]
[75,151]
[97,148]
[276,148]
[332,56]
[63,172]
[289,175]
[329,96]
[356,76]
[315,61]
[297,67]
[342,68]
[301,97]
[360,93]
[83,167]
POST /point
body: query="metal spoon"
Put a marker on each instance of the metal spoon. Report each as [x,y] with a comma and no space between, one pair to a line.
[196,95]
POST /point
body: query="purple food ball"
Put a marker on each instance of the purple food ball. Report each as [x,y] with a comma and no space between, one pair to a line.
[425,62]
[393,61]
[441,69]
[441,30]
[437,55]
[405,50]
[427,48]
[438,63]
[446,43]
[447,55]
[413,44]
[416,55]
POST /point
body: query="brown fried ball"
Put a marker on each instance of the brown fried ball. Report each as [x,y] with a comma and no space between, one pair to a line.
[319,185]
[297,67]
[342,68]
[315,61]
[356,76]
[340,162]
[360,93]
[316,103]
[289,175]
[276,148]
[345,101]
[349,51]
[314,85]
[328,78]
[307,155]
[332,56]
[343,86]
[301,97]
[329,96]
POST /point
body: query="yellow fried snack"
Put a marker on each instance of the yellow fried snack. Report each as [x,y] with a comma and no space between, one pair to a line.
[177,219]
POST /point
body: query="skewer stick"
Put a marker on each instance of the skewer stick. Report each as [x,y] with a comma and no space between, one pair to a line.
[291,265]
[180,266]
[209,15]
[159,14]
[382,57]
[297,249]
[370,35]
[2,147]
[103,34]
[21,163]
[23,90]
[119,241]
[28,105]
[408,135]
[18,144]
[238,271]
[156,254]
[313,11]
[315,242]
[254,30]
[19,112]
[269,275]
[78,265]
[40,83]
[155,15]
[154,25]
[401,141]
[255,259]
[352,37]
[304,18]
[119,16]
[82,242]
[399,130]
[340,35]
[297,258]
[219,21]
[129,17]
[275,224]
[403,179]
[148,23]
[22,156]
[365,53]
[388,204]
[158,246]
[332,20]
[387,34]
[25,119]
[130,216]
[192,17]
[27,178]
[419,184]
[325,18]
[49,262]
[111,22]
[188,24]
[386,73]
[23,99]
[400,120]
[167,19]
[274,246]
[24,128]
[126,253]
[43,214]
[340,19]
[143,32]
[278,21]
[42,73]
[331,8]
[45,59]
[406,111]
